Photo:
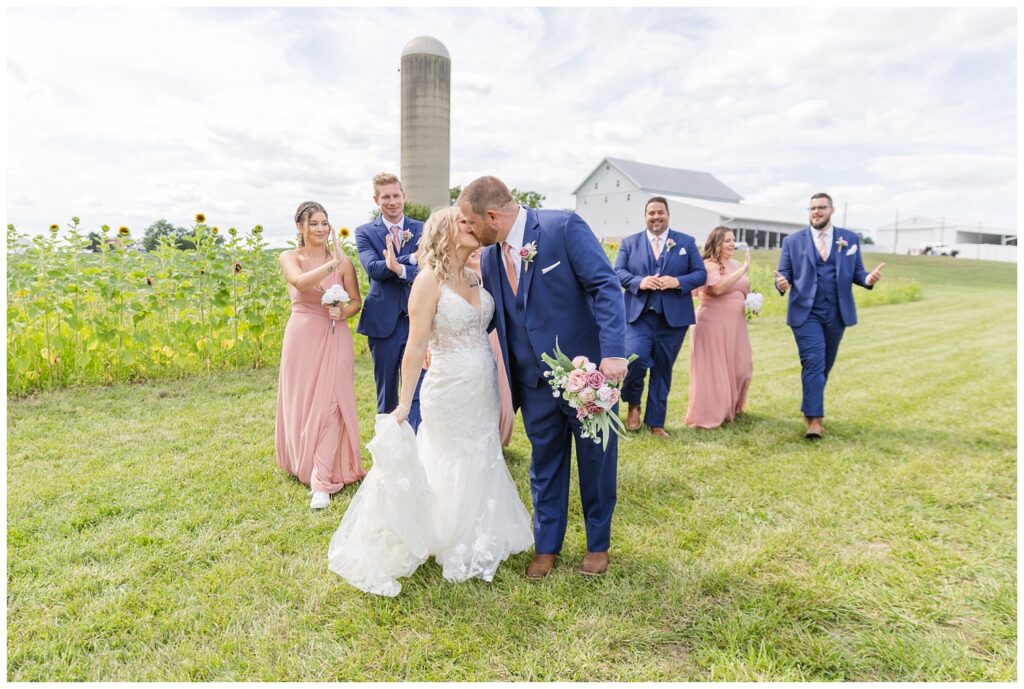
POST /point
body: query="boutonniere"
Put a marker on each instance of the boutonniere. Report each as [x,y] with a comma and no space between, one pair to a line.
[527,254]
[406,236]
[842,243]
[670,243]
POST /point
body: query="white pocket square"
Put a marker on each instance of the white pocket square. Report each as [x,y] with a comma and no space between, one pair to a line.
[551,267]
[852,250]
[682,251]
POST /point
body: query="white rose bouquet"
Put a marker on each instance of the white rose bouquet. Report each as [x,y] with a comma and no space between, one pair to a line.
[753,303]
[334,295]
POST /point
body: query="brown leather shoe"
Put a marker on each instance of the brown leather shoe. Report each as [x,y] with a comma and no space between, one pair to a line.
[814,428]
[541,566]
[633,418]
[594,564]
[660,432]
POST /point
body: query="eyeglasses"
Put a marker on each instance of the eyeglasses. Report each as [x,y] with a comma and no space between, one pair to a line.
[819,208]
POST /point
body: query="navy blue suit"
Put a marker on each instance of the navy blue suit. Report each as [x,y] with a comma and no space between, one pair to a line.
[385,316]
[657,319]
[821,304]
[569,292]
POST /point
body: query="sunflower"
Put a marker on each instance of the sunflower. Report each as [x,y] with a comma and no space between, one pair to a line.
[54,227]
[105,228]
[124,231]
[344,232]
[258,229]
[200,218]
[238,267]
[232,231]
[216,229]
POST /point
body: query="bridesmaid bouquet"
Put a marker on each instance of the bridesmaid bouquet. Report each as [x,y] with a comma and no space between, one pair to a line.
[334,295]
[753,304]
[587,391]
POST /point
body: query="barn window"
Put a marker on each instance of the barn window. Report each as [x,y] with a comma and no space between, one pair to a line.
[607,167]
[627,197]
[606,199]
[595,185]
[616,182]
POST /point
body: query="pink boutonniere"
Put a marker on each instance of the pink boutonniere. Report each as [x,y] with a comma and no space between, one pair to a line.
[669,243]
[842,243]
[406,237]
[527,254]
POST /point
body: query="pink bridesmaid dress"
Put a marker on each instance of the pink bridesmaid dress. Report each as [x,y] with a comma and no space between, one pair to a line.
[721,361]
[317,434]
[508,416]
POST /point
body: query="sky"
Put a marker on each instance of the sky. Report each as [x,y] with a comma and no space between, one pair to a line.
[124,116]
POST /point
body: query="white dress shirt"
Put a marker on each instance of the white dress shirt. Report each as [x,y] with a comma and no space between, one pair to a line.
[515,241]
[662,238]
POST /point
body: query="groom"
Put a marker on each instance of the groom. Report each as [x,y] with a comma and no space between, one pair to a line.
[551,281]
[820,262]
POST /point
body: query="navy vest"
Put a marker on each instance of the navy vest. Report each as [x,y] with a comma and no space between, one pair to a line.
[826,297]
[521,359]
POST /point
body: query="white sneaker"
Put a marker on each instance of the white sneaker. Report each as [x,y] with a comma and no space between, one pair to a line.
[320,500]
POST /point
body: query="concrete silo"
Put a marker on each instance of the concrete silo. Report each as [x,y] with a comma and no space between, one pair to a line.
[426,121]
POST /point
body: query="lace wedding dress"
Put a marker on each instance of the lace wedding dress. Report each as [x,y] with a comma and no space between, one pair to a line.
[445,491]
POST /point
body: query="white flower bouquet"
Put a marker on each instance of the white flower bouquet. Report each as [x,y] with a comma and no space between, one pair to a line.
[753,304]
[334,295]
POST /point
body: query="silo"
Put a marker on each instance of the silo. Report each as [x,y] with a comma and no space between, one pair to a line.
[426,124]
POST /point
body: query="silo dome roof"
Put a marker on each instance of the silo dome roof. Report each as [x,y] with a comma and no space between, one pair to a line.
[425,45]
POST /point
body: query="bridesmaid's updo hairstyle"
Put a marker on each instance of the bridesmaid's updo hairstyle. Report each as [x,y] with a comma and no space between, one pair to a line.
[713,246]
[440,238]
[303,213]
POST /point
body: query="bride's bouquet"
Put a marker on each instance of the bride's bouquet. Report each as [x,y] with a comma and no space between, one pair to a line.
[587,391]
[334,295]
[753,304]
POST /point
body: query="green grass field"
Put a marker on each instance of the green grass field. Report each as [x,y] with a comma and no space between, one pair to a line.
[152,537]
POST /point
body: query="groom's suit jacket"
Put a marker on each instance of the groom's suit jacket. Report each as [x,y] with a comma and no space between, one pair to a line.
[682,260]
[798,264]
[569,292]
[388,296]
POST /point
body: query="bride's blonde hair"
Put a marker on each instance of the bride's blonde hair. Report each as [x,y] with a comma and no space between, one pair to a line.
[440,238]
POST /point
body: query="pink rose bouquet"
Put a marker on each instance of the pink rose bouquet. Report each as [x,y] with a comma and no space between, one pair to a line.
[586,390]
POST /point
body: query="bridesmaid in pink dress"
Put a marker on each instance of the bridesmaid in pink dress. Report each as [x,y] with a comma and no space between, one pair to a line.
[721,362]
[508,415]
[317,434]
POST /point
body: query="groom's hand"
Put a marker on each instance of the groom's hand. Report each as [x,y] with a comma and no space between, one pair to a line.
[614,369]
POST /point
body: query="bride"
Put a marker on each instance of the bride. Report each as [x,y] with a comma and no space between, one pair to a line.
[445,491]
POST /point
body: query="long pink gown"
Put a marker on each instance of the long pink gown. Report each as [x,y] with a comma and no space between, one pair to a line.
[721,361]
[317,434]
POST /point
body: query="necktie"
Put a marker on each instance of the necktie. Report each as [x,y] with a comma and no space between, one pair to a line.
[394,237]
[821,246]
[657,247]
[510,267]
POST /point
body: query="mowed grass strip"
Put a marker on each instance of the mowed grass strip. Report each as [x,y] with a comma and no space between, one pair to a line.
[152,537]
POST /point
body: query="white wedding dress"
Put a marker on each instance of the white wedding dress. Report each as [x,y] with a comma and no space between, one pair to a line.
[444,491]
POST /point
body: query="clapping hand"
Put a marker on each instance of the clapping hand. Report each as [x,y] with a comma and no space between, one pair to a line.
[875,275]
[746,260]
[781,283]
[334,243]
[389,257]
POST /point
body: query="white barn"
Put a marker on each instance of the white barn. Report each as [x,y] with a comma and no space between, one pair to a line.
[915,235]
[612,197]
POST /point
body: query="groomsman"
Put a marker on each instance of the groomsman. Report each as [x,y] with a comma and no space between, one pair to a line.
[658,269]
[387,252]
[820,262]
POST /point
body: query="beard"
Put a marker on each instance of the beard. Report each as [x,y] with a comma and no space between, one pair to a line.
[822,225]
